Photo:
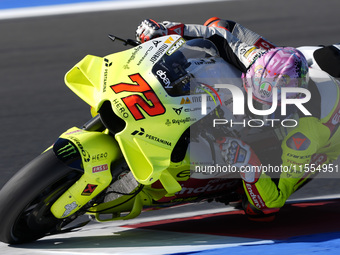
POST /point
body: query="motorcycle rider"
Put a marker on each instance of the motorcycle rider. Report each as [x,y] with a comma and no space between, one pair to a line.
[313,142]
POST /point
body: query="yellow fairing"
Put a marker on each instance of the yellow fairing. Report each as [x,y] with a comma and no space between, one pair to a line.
[84,79]
[125,79]
[97,151]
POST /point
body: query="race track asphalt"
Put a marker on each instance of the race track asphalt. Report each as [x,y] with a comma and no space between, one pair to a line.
[35,54]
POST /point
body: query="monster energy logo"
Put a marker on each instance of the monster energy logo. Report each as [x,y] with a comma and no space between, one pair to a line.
[85,153]
[67,150]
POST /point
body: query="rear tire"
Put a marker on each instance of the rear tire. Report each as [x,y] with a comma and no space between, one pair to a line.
[26,199]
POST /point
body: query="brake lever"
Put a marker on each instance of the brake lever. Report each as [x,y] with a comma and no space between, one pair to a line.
[130,42]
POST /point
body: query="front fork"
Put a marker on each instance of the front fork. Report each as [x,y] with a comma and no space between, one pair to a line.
[96,151]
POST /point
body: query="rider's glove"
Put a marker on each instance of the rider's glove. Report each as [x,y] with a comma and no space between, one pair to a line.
[255,214]
[149,29]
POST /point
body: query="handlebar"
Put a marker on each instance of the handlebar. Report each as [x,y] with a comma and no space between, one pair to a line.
[130,42]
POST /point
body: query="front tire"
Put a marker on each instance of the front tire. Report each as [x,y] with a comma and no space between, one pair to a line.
[26,199]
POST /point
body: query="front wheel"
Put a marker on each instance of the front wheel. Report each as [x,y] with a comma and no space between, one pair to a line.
[26,199]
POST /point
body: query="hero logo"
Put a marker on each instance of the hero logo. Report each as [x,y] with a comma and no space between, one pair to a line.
[162,75]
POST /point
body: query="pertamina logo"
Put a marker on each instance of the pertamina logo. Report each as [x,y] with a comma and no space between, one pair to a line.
[142,132]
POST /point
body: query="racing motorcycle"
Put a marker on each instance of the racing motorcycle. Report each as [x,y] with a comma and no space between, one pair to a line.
[144,148]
